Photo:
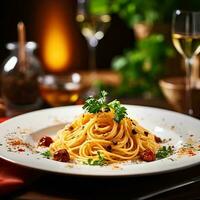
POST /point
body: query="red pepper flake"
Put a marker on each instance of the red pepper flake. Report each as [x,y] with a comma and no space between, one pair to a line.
[109,148]
[71,128]
[134,132]
[21,150]
[157,139]
[187,151]
[146,133]
[15,142]
[191,153]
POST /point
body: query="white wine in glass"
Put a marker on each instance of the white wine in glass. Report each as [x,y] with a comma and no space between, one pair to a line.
[187,46]
[93,27]
[186,39]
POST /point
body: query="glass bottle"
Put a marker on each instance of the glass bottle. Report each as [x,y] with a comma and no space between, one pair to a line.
[19,85]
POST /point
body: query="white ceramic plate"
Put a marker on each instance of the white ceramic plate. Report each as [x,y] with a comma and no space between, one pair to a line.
[177,128]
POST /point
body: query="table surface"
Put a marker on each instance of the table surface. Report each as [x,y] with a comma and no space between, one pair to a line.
[59,187]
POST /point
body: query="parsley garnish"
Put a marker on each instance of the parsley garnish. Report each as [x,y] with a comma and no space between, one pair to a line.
[164,152]
[46,154]
[100,161]
[93,105]
[120,111]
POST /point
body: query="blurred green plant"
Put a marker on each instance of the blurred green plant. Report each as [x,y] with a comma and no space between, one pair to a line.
[135,11]
[142,66]
[138,11]
[99,7]
[130,11]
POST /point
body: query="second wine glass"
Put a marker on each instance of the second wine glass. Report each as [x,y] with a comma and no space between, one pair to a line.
[186,39]
[93,26]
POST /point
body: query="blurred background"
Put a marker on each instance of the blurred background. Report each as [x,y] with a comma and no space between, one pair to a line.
[133,54]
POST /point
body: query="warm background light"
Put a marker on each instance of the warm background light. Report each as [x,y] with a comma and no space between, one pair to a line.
[55,44]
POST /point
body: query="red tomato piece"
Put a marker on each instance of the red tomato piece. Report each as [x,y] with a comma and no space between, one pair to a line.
[148,155]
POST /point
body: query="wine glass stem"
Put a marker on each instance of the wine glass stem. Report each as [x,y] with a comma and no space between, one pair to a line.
[92,44]
[188,65]
[92,58]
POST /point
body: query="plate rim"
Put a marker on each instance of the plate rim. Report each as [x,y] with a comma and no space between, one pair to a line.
[100,175]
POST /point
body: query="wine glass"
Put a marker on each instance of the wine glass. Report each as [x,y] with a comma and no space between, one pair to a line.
[186,39]
[93,26]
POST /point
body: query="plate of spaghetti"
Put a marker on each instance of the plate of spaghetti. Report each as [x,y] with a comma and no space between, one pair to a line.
[102,139]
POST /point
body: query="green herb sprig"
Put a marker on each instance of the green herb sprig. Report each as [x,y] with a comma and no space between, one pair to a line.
[120,111]
[93,105]
[164,152]
[99,162]
[46,154]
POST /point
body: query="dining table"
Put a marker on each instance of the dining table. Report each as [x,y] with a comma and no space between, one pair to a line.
[23,183]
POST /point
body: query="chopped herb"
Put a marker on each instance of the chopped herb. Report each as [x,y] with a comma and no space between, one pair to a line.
[102,97]
[46,154]
[166,140]
[191,135]
[164,152]
[188,145]
[9,149]
[1,144]
[100,161]
[94,105]
[120,111]
[172,127]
